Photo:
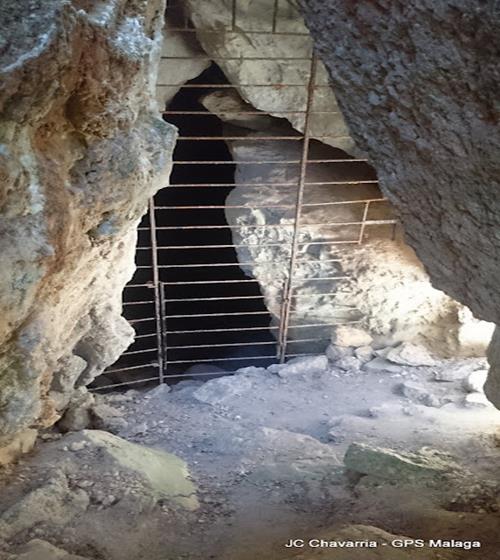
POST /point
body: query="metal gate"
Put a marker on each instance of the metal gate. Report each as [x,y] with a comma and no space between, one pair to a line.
[182,309]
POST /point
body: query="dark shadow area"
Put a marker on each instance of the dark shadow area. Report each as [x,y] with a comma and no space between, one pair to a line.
[196,271]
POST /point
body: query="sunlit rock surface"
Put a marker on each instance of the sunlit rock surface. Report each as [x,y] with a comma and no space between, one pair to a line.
[252,60]
[81,150]
[422,102]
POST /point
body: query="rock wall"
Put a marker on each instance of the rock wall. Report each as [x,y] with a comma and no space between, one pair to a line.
[81,151]
[418,85]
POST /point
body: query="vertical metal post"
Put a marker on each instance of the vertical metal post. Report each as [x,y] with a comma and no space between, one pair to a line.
[157,289]
[363,222]
[288,289]
[233,15]
[275,15]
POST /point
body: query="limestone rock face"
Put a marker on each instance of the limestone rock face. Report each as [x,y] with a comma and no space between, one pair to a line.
[422,102]
[81,150]
[379,282]
[252,60]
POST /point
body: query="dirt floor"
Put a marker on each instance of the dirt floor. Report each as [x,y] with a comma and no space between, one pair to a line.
[265,449]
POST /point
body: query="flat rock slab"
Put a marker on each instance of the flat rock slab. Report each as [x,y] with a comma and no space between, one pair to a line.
[221,391]
[397,467]
[165,474]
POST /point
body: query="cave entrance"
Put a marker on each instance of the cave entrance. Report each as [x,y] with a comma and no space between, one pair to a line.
[236,258]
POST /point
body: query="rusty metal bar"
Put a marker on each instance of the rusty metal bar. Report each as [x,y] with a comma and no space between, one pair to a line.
[287,289]
[267,162]
[231,86]
[279,226]
[212,265]
[233,15]
[221,360]
[275,16]
[190,347]
[241,329]
[256,185]
[228,298]
[238,58]
[363,220]
[217,32]
[198,315]
[252,138]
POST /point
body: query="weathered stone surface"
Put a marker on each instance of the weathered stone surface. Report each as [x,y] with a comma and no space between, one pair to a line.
[492,385]
[456,371]
[421,395]
[408,354]
[230,107]
[182,59]
[298,460]
[345,335]
[474,382]
[81,150]
[397,467]
[422,102]
[53,503]
[23,443]
[221,391]
[42,550]
[303,366]
[234,50]
[367,534]
[380,282]
[166,475]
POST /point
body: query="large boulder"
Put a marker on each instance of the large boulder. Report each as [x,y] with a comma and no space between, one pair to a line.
[283,60]
[417,84]
[380,281]
[81,151]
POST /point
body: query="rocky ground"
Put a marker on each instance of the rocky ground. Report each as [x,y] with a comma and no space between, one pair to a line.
[354,445]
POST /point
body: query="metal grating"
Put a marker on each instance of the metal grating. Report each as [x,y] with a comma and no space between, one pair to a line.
[195,311]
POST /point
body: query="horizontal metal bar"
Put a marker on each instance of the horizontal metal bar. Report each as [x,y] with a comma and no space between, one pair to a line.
[223,207]
[277,184]
[218,360]
[126,383]
[187,316]
[207,113]
[227,32]
[277,226]
[138,336]
[146,285]
[296,340]
[317,278]
[343,202]
[147,302]
[238,58]
[325,294]
[229,246]
[332,242]
[135,352]
[324,324]
[203,282]
[213,298]
[266,162]
[142,366]
[134,321]
[212,265]
[229,138]
[241,329]
[237,344]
